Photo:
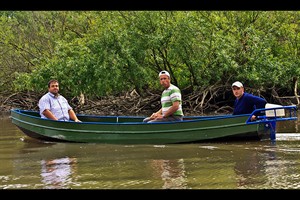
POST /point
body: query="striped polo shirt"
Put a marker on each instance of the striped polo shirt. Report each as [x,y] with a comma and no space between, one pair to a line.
[169,96]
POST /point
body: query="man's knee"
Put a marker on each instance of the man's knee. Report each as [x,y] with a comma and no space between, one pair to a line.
[147,119]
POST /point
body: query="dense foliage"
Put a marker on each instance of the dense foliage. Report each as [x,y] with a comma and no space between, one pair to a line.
[103,53]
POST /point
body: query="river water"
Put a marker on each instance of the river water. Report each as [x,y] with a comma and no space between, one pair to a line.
[30,164]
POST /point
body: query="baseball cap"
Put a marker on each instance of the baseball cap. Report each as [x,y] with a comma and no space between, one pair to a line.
[164,73]
[237,84]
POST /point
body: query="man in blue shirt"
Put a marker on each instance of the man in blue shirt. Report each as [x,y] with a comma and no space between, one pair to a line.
[245,103]
[54,106]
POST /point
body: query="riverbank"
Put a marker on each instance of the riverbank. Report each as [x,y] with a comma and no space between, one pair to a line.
[128,104]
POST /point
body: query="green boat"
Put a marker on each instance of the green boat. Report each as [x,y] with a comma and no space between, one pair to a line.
[132,129]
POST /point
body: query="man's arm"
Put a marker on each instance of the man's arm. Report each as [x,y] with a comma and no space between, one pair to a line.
[49,114]
[259,103]
[73,115]
[172,109]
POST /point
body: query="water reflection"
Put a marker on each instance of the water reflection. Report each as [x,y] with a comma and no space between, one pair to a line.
[284,167]
[251,168]
[172,172]
[57,173]
[269,167]
[30,145]
[30,164]
[288,126]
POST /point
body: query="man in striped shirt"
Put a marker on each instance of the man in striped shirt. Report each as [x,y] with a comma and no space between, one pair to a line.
[171,102]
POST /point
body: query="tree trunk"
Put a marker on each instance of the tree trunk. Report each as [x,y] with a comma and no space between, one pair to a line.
[295,90]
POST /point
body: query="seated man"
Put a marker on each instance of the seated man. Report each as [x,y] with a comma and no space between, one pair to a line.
[171,109]
[54,106]
[245,103]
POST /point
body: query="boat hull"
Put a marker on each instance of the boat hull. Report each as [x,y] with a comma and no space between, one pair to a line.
[131,130]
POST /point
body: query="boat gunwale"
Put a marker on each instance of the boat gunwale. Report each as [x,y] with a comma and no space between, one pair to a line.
[197,118]
[130,132]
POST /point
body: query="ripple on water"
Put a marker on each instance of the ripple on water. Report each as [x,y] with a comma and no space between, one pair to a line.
[288,136]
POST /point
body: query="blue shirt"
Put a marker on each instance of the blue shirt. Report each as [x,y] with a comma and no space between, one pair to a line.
[59,106]
[248,103]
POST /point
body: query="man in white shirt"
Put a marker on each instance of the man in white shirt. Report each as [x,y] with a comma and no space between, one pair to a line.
[54,106]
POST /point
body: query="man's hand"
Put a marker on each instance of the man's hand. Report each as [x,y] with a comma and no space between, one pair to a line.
[253,118]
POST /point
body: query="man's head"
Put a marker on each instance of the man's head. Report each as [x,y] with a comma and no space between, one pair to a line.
[237,84]
[164,78]
[237,89]
[164,73]
[53,86]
